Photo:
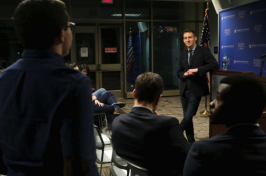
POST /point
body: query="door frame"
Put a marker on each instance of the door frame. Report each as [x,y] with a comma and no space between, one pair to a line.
[98,55]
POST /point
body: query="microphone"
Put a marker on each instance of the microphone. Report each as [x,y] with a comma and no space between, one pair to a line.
[262,56]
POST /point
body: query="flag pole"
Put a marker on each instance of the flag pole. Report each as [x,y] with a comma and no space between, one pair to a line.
[205,112]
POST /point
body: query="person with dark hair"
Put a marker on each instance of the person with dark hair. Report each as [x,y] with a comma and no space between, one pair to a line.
[84,69]
[72,65]
[239,103]
[194,63]
[46,123]
[147,139]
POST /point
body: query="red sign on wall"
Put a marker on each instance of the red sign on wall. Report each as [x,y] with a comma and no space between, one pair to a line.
[107,1]
[110,50]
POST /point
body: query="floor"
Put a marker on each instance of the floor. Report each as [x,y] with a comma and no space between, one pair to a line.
[171,106]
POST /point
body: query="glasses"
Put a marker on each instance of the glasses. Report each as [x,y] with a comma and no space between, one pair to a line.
[71,26]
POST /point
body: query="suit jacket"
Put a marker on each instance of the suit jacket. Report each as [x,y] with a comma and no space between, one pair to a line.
[205,62]
[240,151]
[149,140]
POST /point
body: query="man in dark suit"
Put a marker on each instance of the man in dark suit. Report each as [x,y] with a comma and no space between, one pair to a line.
[145,138]
[194,63]
[241,150]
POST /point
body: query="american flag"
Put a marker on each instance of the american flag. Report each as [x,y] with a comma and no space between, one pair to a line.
[130,53]
[205,37]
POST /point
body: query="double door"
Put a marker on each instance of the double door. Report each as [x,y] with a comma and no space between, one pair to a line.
[99,47]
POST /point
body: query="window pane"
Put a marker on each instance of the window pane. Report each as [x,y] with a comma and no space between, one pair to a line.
[10,46]
[92,77]
[111,80]
[7,7]
[110,37]
[166,52]
[137,9]
[91,9]
[85,44]
[138,51]
[174,10]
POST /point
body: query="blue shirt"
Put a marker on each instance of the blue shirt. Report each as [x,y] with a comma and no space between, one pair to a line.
[46,122]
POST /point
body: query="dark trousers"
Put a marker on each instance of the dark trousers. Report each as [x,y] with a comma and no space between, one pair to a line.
[190,105]
[108,99]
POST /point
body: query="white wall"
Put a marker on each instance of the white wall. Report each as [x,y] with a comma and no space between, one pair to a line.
[213,19]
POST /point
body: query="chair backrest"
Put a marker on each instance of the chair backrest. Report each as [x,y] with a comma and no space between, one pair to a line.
[98,138]
[119,162]
[136,170]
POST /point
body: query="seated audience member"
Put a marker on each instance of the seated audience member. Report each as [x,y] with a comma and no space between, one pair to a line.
[147,139]
[84,69]
[242,149]
[104,101]
[72,65]
[46,127]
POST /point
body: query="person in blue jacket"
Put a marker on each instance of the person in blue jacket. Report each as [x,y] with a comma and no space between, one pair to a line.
[46,122]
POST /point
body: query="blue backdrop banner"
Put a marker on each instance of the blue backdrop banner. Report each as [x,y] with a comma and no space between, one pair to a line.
[243,37]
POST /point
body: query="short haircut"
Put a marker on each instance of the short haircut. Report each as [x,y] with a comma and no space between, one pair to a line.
[246,97]
[189,30]
[71,64]
[149,86]
[39,22]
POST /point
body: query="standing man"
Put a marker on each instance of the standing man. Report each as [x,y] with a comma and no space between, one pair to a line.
[194,63]
[46,123]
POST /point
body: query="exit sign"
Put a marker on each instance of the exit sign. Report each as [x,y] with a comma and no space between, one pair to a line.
[107,1]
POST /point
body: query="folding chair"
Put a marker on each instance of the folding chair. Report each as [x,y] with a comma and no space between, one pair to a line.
[136,170]
[100,119]
[120,167]
[103,152]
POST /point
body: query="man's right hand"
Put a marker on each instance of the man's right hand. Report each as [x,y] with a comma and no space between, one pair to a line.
[98,103]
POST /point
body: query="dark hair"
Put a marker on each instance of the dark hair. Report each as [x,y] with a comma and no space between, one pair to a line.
[246,97]
[84,66]
[71,64]
[149,86]
[39,22]
[189,30]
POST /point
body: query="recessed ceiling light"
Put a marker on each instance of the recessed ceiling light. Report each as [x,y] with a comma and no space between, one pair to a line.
[129,15]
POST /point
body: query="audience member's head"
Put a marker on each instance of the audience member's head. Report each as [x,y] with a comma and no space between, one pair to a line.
[41,24]
[72,65]
[240,98]
[84,69]
[148,88]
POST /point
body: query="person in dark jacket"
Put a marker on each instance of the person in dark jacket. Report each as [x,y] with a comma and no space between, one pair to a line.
[239,103]
[46,122]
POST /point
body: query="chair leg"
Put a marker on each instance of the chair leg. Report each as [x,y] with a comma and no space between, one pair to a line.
[101,169]
[101,162]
